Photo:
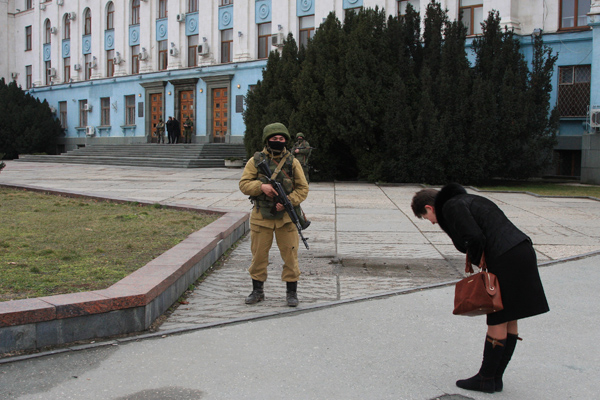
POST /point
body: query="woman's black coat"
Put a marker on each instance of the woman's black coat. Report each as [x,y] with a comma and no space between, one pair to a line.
[475,224]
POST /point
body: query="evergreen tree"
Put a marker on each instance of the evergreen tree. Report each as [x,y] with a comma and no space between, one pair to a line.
[272,99]
[26,124]
[318,91]
[380,102]
[455,85]
[399,94]
[521,130]
[542,123]
[367,68]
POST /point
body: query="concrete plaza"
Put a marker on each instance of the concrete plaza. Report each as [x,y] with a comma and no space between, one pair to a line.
[351,337]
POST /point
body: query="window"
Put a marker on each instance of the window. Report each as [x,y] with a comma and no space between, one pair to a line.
[82,113]
[307,29]
[28,77]
[28,4]
[163,53]
[135,61]
[135,12]
[264,40]
[87,66]
[62,114]
[28,38]
[110,65]
[110,15]
[66,27]
[471,15]
[402,5]
[105,111]
[130,110]
[48,66]
[573,13]
[225,2]
[192,51]
[574,90]
[192,6]
[47,32]
[87,22]
[162,9]
[227,45]
[67,69]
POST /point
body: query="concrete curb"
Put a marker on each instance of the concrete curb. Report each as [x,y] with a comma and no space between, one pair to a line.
[130,305]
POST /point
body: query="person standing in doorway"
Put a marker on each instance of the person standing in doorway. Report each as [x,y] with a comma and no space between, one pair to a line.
[170,130]
[188,127]
[176,130]
[269,217]
[160,131]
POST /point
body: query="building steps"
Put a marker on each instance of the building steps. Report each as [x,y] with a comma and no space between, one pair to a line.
[211,155]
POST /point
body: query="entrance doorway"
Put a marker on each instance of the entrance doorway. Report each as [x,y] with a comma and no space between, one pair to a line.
[186,109]
[220,114]
[156,112]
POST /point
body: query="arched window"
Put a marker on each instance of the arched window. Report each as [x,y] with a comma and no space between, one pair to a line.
[135,12]
[110,15]
[66,27]
[47,32]
[87,22]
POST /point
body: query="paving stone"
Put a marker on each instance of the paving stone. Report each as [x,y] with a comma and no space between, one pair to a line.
[364,238]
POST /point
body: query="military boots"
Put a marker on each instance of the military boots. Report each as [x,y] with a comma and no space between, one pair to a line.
[257,292]
[291,296]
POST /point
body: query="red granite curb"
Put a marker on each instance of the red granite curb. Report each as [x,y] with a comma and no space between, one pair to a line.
[139,289]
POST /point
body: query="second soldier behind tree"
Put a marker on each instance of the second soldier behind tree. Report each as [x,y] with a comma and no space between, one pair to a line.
[269,218]
[301,151]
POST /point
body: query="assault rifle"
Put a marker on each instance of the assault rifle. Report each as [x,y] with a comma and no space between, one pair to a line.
[282,198]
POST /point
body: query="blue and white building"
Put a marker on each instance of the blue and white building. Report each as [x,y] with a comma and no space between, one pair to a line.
[112,68]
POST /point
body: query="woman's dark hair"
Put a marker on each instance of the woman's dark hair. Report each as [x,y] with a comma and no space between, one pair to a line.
[424,197]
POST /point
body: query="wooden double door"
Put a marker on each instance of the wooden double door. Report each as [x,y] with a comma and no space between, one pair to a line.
[156,112]
[186,109]
[220,114]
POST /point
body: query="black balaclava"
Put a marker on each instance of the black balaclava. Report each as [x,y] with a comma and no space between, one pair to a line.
[275,146]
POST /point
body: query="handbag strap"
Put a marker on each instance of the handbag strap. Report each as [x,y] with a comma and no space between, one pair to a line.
[469,267]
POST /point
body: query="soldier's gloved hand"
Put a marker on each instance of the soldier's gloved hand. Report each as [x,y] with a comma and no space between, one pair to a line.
[268,190]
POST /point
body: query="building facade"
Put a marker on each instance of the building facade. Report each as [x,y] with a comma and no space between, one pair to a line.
[111,68]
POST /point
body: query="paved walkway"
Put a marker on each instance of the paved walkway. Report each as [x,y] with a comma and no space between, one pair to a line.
[364,242]
[364,239]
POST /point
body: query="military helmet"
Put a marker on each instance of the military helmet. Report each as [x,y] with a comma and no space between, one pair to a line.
[299,135]
[276,128]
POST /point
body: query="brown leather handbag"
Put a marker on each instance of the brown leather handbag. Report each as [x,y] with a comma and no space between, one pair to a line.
[477,294]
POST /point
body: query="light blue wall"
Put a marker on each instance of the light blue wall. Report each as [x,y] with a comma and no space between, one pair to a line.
[92,91]
[573,49]
[243,74]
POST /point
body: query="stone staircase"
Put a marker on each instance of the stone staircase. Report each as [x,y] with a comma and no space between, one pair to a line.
[211,155]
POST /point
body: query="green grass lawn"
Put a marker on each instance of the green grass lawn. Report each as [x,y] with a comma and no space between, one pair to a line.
[547,189]
[53,245]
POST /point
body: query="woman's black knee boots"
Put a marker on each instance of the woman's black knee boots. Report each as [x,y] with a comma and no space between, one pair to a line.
[485,379]
[509,349]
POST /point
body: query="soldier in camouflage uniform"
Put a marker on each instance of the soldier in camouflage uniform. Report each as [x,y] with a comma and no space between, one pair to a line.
[188,127]
[160,131]
[301,151]
[270,218]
